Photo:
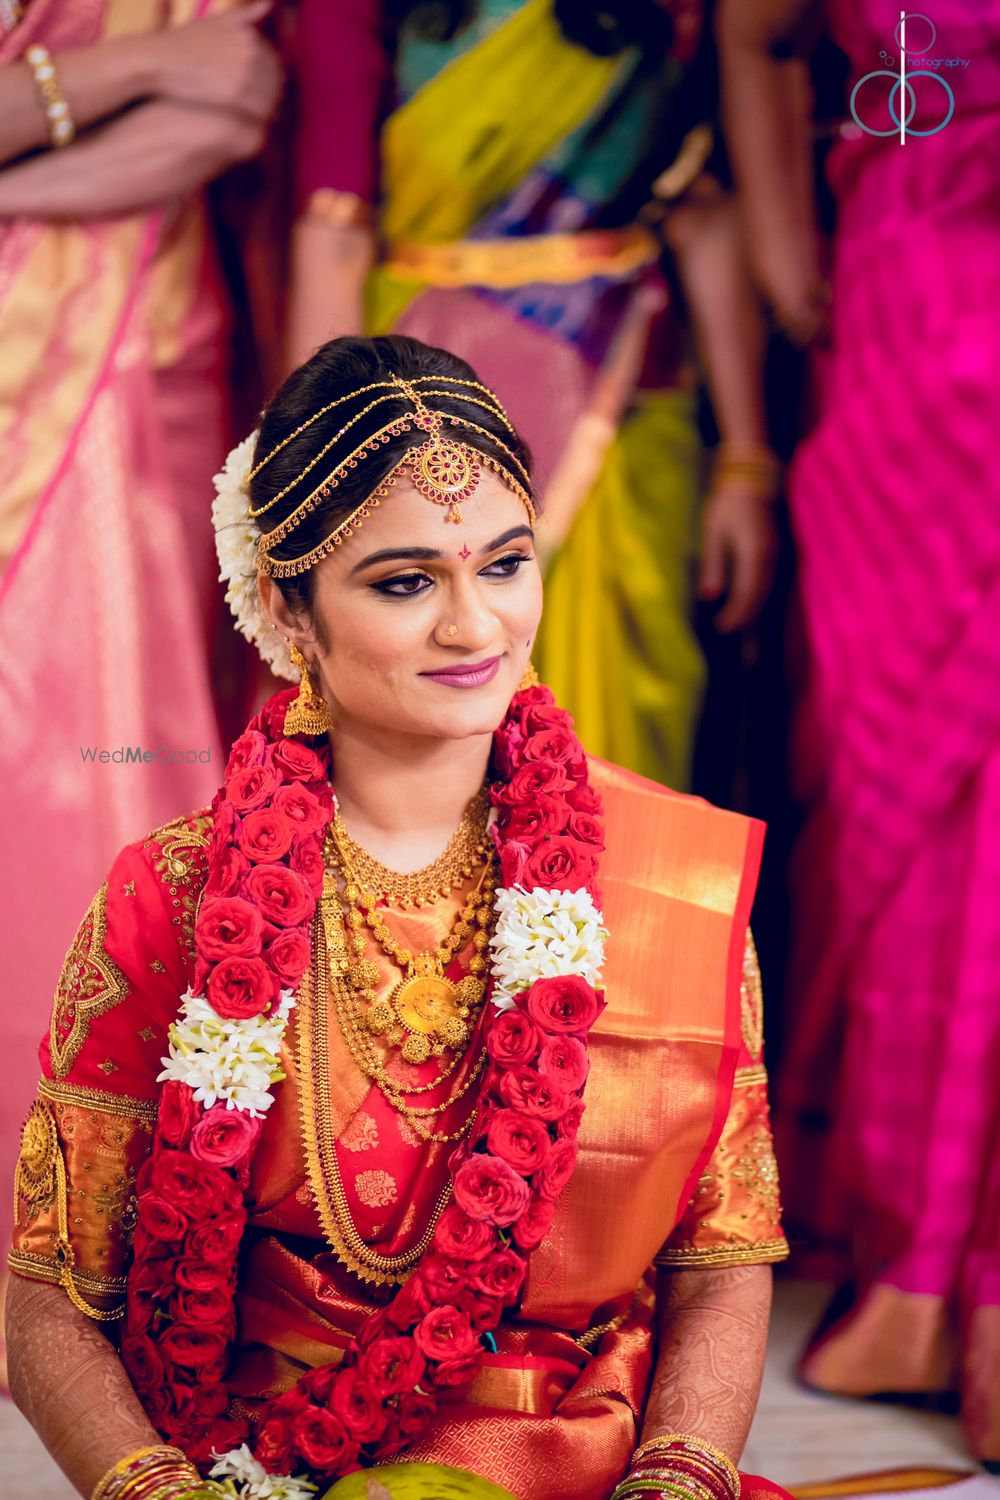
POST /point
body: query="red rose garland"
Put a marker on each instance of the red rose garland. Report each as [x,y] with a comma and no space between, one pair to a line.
[252,941]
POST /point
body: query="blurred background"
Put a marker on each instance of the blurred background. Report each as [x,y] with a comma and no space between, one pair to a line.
[736,280]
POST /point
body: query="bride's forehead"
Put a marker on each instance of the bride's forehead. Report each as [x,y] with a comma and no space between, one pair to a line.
[408,519]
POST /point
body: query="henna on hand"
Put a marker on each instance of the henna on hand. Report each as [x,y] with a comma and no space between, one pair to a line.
[712,1340]
[67,1379]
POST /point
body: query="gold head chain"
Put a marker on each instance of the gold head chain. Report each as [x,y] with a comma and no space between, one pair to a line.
[443,469]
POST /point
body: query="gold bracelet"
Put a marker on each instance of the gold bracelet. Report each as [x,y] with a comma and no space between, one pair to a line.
[51,97]
[751,462]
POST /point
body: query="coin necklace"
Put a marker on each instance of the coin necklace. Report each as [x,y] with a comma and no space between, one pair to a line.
[426,1013]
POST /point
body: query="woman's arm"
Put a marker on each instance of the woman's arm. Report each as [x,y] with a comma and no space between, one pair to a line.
[152,155]
[220,61]
[68,1381]
[766,104]
[739,539]
[712,1339]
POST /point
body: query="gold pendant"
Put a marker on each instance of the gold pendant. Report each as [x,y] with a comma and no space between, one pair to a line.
[425,1001]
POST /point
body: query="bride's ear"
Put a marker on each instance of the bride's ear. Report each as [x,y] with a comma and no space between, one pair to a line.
[294,627]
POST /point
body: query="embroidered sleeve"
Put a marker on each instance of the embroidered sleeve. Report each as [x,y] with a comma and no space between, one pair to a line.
[90,1127]
[734,1216]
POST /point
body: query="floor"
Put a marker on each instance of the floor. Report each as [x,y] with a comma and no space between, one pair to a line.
[797,1437]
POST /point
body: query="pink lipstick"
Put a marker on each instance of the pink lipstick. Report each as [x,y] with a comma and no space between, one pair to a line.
[468,674]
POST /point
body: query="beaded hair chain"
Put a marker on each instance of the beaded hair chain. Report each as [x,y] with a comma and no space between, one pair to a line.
[443,469]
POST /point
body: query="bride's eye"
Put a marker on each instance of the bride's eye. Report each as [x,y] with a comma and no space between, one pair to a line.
[403,586]
[506,567]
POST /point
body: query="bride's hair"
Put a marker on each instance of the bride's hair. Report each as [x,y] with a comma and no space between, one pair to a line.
[342,368]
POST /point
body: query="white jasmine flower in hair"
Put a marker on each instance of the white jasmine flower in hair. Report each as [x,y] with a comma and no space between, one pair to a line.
[236,536]
[543,934]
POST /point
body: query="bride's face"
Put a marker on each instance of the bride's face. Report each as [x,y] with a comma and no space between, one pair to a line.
[424,627]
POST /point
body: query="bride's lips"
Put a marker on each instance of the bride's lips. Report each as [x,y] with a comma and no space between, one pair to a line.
[468,674]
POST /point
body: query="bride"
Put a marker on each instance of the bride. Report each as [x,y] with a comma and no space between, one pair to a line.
[406,1106]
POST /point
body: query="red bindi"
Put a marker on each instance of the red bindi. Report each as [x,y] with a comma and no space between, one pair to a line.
[465,553]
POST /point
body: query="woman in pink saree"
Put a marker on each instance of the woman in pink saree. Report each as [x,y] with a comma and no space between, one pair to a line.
[112,411]
[897,517]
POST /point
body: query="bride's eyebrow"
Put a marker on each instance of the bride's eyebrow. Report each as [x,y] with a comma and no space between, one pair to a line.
[432,554]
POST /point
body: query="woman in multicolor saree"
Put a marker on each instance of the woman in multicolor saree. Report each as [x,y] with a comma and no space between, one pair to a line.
[112,408]
[504,196]
[464,1167]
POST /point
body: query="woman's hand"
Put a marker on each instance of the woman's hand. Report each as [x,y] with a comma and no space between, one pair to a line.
[221,62]
[739,546]
[147,158]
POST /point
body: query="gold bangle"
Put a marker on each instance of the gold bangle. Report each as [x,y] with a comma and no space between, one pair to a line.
[342,210]
[158,1462]
[696,1446]
[50,95]
[752,462]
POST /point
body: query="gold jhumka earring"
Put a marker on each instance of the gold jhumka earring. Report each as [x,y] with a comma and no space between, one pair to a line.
[308,713]
[529,680]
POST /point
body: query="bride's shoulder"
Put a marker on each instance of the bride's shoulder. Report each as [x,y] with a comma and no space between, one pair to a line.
[160,877]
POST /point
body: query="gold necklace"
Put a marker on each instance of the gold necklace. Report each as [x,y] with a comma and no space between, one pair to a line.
[320,1143]
[427,1013]
[362,1045]
[443,875]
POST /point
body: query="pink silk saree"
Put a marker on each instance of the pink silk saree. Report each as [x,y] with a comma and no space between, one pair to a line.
[112,420]
[889,1104]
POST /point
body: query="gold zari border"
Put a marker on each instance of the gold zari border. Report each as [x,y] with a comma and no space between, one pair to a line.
[764,1253]
[143,1110]
[40,1268]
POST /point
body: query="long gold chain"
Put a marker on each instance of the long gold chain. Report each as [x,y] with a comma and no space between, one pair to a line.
[320,1142]
[418,888]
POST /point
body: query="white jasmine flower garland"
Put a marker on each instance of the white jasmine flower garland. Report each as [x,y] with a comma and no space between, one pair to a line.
[233,1061]
[544,935]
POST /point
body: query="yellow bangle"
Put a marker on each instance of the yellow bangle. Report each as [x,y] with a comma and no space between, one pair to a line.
[159,1462]
[51,97]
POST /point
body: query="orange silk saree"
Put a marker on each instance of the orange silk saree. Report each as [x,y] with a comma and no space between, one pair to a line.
[675,1163]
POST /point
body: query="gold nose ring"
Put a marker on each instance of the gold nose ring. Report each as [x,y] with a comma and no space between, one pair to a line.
[452,630]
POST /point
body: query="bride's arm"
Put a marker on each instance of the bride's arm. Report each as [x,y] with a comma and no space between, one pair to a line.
[712,1338]
[70,1384]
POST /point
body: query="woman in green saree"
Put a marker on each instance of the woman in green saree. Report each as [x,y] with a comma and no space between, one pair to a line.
[477,175]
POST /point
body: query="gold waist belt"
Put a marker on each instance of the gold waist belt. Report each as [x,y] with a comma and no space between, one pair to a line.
[512,262]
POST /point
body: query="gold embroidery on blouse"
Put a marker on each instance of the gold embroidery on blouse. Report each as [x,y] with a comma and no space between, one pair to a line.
[146,1034]
[128,889]
[174,851]
[361,1134]
[757,1171]
[90,984]
[144,1110]
[376,1188]
[108,1066]
[35,1178]
[752,1002]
